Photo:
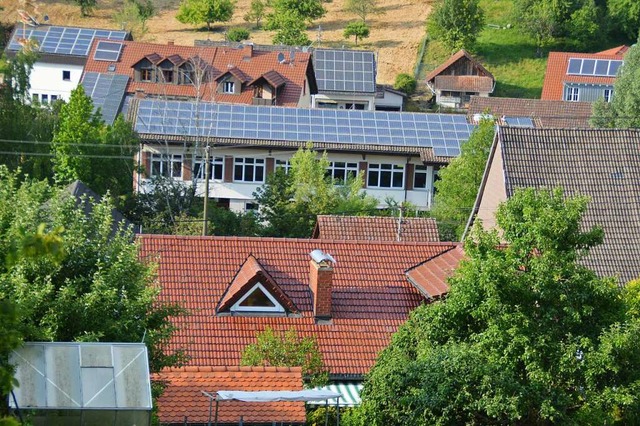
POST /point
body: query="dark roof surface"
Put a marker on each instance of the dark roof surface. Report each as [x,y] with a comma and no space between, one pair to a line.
[371,294]
[462,83]
[376,228]
[603,164]
[452,60]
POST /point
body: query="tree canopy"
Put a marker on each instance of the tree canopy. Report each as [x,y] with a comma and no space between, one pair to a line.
[358,29]
[527,335]
[306,10]
[362,8]
[205,11]
[459,182]
[456,23]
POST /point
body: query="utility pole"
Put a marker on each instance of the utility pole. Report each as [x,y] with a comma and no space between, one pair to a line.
[207,171]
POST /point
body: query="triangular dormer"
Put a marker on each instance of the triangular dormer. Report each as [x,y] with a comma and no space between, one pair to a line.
[254,291]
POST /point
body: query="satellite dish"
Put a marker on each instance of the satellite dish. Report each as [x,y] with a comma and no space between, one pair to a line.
[281,57]
[45,18]
[292,55]
[319,256]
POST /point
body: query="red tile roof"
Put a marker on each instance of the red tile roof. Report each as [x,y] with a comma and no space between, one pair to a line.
[455,58]
[247,64]
[183,399]
[371,294]
[462,83]
[376,228]
[430,277]
[557,66]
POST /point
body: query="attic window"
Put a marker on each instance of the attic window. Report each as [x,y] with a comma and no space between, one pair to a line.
[257,299]
[228,87]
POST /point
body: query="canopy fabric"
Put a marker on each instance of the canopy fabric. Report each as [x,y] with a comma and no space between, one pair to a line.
[270,396]
[350,392]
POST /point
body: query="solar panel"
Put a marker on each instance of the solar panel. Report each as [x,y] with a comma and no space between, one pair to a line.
[442,131]
[107,51]
[518,121]
[345,71]
[593,67]
[62,40]
[106,91]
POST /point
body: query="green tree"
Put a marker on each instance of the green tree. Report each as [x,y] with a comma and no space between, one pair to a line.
[459,182]
[363,8]
[527,335]
[205,11]
[624,110]
[133,16]
[305,10]
[291,29]
[405,83]
[626,17]
[273,349]
[356,29]
[456,23]
[99,291]
[585,27]
[237,34]
[257,11]
[86,6]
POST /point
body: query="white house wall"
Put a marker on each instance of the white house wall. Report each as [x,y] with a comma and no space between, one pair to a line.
[342,100]
[46,78]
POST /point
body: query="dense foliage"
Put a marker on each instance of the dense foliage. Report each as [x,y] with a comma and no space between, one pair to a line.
[358,29]
[456,23]
[238,34]
[527,335]
[257,11]
[405,83]
[205,11]
[287,349]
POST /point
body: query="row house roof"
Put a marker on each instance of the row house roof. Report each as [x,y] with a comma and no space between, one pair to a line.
[376,228]
[371,294]
[211,64]
[559,73]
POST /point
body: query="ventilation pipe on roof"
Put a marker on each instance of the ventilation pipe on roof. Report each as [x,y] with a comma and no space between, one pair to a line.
[321,283]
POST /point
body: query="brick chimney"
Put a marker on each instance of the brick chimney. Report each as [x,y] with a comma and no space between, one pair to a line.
[321,283]
[247,50]
[171,42]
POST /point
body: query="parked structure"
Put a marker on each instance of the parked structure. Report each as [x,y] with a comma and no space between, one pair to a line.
[582,77]
[458,78]
[376,228]
[63,52]
[602,164]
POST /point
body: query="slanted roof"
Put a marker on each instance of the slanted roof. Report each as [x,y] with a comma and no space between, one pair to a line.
[544,113]
[272,77]
[183,397]
[464,83]
[460,54]
[154,58]
[430,277]
[249,274]
[376,228]
[602,164]
[557,75]
[371,294]
[245,63]
[237,73]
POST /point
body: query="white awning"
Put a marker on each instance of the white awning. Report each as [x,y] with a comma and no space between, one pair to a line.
[270,396]
[350,392]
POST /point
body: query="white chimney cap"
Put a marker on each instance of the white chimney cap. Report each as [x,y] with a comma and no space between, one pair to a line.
[319,256]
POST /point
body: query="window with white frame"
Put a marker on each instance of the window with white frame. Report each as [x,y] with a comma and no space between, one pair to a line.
[608,94]
[228,87]
[167,165]
[257,299]
[340,171]
[385,176]
[247,169]
[420,176]
[45,98]
[66,75]
[216,168]
[283,164]
[573,94]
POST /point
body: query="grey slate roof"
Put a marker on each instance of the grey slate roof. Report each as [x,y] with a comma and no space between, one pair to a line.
[603,164]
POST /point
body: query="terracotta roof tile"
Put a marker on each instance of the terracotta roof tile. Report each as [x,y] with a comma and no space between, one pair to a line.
[375,228]
[246,62]
[557,65]
[544,113]
[371,295]
[430,277]
[183,400]
[453,59]
[461,83]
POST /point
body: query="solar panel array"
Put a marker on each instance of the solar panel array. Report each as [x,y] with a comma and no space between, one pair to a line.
[345,71]
[106,91]
[594,67]
[62,40]
[518,121]
[107,51]
[443,132]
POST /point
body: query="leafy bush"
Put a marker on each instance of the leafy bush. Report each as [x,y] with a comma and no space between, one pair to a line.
[238,34]
[405,83]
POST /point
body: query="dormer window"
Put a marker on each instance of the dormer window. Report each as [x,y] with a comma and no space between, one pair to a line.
[228,87]
[187,74]
[257,299]
[146,74]
[167,76]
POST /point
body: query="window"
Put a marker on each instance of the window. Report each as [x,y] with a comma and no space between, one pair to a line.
[420,174]
[385,176]
[167,76]
[608,93]
[35,97]
[145,74]
[251,207]
[257,299]
[54,98]
[340,171]
[248,170]
[228,87]
[258,92]
[45,99]
[573,94]
[187,75]
[66,75]
[283,164]
[216,168]
[355,106]
[166,165]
